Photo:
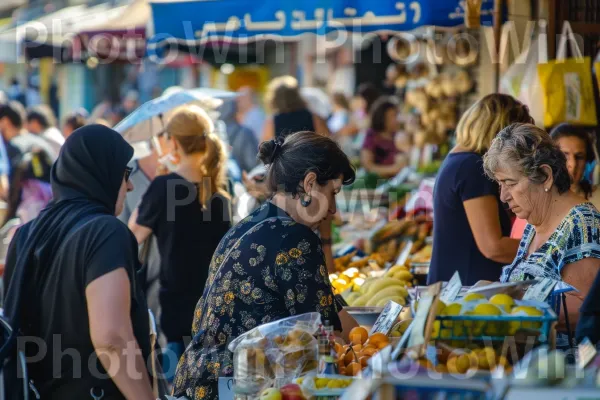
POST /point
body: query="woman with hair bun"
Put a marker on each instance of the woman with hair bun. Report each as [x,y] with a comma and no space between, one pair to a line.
[189,211]
[270,265]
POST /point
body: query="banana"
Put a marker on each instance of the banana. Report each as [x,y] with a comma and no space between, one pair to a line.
[368,282]
[381,284]
[352,297]
[395,269]
[396,299]
[390,291]
[403,276]
[361,301]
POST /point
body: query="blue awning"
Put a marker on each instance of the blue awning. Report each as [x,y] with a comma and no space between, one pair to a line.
[195,22]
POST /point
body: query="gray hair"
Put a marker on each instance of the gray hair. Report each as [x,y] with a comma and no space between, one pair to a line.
[527,148]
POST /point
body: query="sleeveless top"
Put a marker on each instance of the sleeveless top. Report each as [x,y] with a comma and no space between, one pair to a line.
[292,122]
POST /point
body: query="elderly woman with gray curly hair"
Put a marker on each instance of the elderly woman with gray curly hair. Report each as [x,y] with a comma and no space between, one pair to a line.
[561,240]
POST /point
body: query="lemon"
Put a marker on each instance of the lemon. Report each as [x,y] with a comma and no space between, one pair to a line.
[320,383]
[473,297]
[440,307]
[530,312]
[450,311]
[502,300]
[483,327]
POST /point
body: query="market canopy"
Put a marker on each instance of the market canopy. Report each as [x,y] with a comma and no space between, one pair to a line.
[193,22]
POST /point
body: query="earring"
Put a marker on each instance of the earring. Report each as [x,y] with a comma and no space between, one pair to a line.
[306,202]
[546,190]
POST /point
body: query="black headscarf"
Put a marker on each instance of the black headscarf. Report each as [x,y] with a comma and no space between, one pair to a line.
[85,179]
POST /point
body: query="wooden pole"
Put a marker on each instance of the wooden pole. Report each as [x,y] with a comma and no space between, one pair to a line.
[497,30]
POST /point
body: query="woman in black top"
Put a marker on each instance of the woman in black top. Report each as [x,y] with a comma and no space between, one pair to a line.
[290,113]
[71,278]
[271,265]
[189,212]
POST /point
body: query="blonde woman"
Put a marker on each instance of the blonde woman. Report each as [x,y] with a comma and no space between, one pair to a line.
[189,212]
[472,227]
[290,113]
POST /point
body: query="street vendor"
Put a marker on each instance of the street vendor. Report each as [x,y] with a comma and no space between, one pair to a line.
[271,265]
[561,240]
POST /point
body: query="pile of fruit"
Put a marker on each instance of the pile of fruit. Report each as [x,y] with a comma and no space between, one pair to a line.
[376,292]
[291,391]
[475,304]
[353,358]
[324,382]
[459,361]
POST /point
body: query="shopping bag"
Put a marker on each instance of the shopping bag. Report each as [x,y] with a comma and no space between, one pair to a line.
[567,85]
[521,79]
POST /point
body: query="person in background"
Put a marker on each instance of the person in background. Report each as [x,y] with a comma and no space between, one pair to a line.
[131,102]
[71,123]
[32,94]
[248,112]
[189,211]
[72,272]
[379,154]
[341,113]
[576,144]
[471,232]
[277,269]
[15,92]
[389,84]
[562,238]
[242,140]
[355,130]
[289,110]
[17,141]
[41,122]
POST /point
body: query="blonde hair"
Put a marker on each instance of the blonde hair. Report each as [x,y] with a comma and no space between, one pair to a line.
[480,124]
[283,95]
[193,129]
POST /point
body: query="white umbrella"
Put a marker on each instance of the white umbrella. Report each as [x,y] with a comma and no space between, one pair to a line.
[317,101]
[151,117]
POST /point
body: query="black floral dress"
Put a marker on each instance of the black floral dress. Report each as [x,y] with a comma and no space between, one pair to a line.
[275,271]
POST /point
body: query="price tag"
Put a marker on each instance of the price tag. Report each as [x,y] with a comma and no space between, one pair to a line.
[541,290]
[452,289]
[417,336]
[225,388]
[388,317]
[586,353]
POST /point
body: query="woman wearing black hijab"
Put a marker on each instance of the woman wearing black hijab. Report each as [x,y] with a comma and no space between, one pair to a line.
[71,278]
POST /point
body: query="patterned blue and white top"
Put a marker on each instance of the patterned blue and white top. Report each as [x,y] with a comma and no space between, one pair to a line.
[576,237]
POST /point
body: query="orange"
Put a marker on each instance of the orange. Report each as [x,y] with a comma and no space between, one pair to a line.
[378,338]
[353,369]
[364,361]
[382,345]
[338,348]
[358,335]
[369,346]
[425,363]
[341,364]
[357,348]
[349,357]
[368,352]
[342,371]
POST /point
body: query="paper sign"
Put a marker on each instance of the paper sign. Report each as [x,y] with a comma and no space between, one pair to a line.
[586,353]
[541,290]
[388,317]
[418,330]
[225,388]
[452,289]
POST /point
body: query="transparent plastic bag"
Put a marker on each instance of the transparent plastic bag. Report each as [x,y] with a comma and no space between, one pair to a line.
[275,353]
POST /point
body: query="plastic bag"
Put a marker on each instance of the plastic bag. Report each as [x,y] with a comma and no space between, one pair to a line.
[275,353]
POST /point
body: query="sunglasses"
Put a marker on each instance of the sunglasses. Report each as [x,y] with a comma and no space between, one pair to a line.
[128,171]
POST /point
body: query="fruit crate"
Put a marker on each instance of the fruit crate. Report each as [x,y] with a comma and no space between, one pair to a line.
[477,328]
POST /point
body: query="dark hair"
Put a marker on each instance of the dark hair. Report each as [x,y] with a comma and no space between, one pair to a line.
[341,100]
[75,120]
[528,148]
[15,112]
[568,130]
[43,115]
[378,112]
[292,158]
[369,93]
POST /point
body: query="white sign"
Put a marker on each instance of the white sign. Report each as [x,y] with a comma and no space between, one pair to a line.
[388,317]
[452,289]
[586,353]
[541,290]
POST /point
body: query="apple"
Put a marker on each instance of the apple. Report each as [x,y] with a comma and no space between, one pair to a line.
[291,391]
[270,394]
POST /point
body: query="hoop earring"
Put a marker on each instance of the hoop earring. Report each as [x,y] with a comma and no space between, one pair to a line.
[306,202]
